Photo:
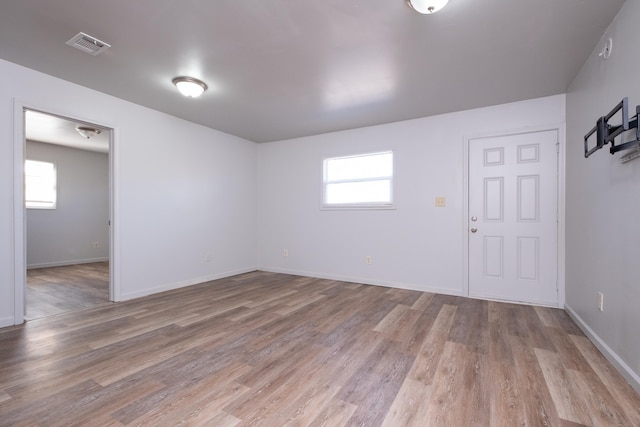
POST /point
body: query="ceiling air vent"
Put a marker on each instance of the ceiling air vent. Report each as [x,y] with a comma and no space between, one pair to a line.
[88,44]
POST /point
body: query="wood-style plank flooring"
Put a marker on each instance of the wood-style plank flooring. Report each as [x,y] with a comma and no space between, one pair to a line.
[55,290]
[266,349]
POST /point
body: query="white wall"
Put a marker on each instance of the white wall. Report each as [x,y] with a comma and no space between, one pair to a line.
[417,245]
[603,202]
[65,235]
[182,191]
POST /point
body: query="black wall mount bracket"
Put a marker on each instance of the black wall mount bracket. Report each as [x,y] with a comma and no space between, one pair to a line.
[607,133]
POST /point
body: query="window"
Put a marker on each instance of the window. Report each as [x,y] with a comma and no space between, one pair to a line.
[361,181]
[40,184]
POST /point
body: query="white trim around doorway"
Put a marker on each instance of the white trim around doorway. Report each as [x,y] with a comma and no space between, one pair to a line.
[19,223]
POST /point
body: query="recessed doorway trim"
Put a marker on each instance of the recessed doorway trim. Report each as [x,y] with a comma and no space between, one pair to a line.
[19,211]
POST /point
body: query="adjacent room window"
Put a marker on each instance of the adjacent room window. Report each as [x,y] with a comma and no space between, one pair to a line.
[40,184]
[362,181]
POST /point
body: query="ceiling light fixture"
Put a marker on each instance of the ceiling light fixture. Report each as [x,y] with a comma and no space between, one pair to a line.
[427,6]
[88,132]
[190,87]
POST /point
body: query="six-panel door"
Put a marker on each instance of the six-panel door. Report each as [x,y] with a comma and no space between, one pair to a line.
[512,219]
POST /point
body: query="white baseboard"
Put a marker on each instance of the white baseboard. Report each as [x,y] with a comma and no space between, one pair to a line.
[632,378]
[365,281]
[183,283]
[7,321]
[64,263]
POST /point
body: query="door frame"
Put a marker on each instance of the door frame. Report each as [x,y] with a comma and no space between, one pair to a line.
[19,210]
[561,130]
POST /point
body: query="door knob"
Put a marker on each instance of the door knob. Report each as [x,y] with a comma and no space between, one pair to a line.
[474,218]
[473,229]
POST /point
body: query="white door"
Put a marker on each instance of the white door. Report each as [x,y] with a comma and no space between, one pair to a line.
[513,217]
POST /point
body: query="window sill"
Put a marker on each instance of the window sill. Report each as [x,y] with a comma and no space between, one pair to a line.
[357,207]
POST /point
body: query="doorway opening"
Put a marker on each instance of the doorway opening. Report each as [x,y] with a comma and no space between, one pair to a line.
[67,210]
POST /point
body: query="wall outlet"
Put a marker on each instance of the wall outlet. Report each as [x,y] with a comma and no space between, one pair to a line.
[96,245]
[600,301]
[207,257]
[368,259]
[441,202]
[285,252]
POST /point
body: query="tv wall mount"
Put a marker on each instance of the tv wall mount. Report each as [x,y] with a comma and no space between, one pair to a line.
[607,133]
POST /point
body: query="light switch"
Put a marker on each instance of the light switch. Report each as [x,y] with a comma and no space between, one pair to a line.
[441,202]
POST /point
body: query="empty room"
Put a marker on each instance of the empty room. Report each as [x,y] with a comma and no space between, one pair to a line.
[382,213]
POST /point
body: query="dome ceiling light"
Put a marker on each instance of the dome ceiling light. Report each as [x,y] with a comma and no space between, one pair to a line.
[88,132]
[427,6]
[189,86]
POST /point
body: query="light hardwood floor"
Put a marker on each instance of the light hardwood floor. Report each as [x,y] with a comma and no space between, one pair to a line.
[55,290]
[268,349]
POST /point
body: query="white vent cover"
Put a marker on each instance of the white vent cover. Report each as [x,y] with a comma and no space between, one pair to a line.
[88,44]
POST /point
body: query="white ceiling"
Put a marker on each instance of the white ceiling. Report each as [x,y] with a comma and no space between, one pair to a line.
[280,69]
[60,131]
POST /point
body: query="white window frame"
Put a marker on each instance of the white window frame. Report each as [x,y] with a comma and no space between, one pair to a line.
[358,205]
[49,203]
